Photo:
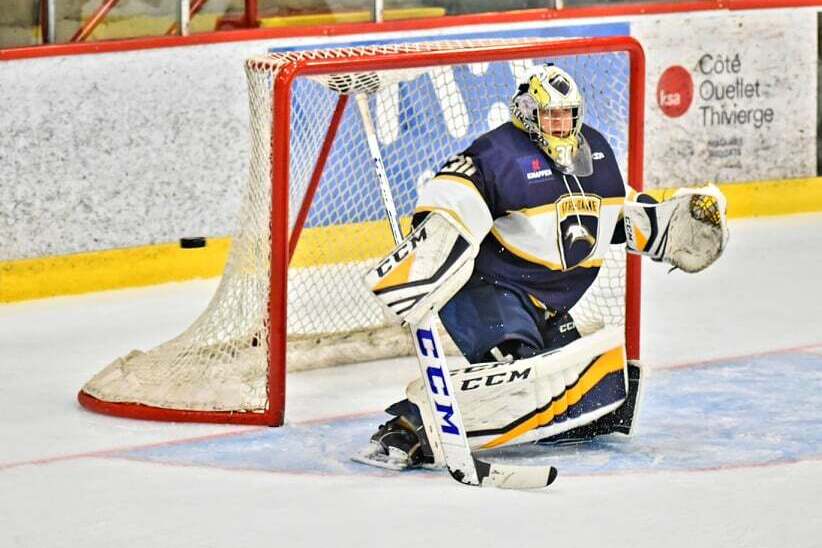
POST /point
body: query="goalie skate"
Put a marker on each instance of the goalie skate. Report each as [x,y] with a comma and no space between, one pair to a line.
[376,455]
[397,445]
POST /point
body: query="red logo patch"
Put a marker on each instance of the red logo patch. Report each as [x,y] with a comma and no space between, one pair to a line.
[535,164]
[675,91]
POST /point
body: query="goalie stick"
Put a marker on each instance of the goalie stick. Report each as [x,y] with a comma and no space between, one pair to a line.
[450,432]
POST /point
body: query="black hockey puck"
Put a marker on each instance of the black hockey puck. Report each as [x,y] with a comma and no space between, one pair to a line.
[192,243]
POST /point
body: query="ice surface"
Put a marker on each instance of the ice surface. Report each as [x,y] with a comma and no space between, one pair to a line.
[729,451]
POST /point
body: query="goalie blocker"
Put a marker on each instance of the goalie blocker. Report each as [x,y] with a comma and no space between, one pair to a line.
[426,269]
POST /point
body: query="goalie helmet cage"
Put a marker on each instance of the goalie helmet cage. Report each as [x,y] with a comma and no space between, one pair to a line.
[312,221]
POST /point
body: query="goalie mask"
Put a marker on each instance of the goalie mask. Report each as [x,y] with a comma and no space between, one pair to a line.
[548,106]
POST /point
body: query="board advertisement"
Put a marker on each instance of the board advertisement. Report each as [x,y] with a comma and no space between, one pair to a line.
[729,98]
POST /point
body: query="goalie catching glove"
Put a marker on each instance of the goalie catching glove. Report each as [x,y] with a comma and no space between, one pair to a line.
[426,269]
[689,230]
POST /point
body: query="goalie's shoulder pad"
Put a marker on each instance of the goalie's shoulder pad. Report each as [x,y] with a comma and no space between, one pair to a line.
[426,269]
[688,230]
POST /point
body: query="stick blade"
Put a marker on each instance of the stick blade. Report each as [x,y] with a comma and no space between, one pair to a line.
[506,476]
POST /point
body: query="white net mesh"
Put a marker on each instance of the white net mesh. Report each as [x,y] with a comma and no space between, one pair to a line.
[422,116]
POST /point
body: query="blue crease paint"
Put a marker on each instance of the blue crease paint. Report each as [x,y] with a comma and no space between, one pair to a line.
[759,411]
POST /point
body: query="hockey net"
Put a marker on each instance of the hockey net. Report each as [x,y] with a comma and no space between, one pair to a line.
[312,220]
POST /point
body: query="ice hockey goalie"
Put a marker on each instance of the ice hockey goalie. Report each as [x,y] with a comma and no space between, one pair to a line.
[509,234]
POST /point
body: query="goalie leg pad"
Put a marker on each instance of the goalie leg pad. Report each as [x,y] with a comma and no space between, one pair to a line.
[426,269]
[506,403]
[622,420]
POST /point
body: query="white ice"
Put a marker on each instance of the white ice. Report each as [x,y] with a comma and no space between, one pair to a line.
[60,486]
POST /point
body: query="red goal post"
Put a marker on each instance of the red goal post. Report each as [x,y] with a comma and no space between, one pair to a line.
[230,365]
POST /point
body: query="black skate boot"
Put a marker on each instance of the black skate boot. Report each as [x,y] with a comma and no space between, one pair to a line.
[620,420]
[400,443]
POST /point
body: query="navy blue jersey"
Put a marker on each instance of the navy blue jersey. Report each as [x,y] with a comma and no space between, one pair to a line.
[551,231]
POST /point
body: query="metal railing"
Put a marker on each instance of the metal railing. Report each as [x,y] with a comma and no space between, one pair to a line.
[186,10]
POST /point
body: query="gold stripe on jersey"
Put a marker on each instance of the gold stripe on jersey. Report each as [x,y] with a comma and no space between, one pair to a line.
[522,254]
[610,362]
[454,215]
[459,180]
[459,198]
[530,233]
[549,208]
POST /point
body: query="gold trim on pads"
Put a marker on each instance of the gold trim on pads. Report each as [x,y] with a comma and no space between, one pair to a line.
[611,361]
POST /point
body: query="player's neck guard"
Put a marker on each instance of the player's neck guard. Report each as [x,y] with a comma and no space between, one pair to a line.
[582,165]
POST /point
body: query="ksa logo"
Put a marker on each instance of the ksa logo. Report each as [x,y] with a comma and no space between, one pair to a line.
[675,91]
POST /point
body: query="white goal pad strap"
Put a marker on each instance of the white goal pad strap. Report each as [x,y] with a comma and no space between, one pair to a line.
[507,403]
[689,230]
[426,269]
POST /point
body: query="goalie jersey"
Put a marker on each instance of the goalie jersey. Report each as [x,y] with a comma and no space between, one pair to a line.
[550,231]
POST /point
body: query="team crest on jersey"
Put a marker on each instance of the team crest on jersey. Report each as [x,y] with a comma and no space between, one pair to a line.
[535,169]
[578,227]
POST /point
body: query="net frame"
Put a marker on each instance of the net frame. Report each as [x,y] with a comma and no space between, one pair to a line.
[285,69]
